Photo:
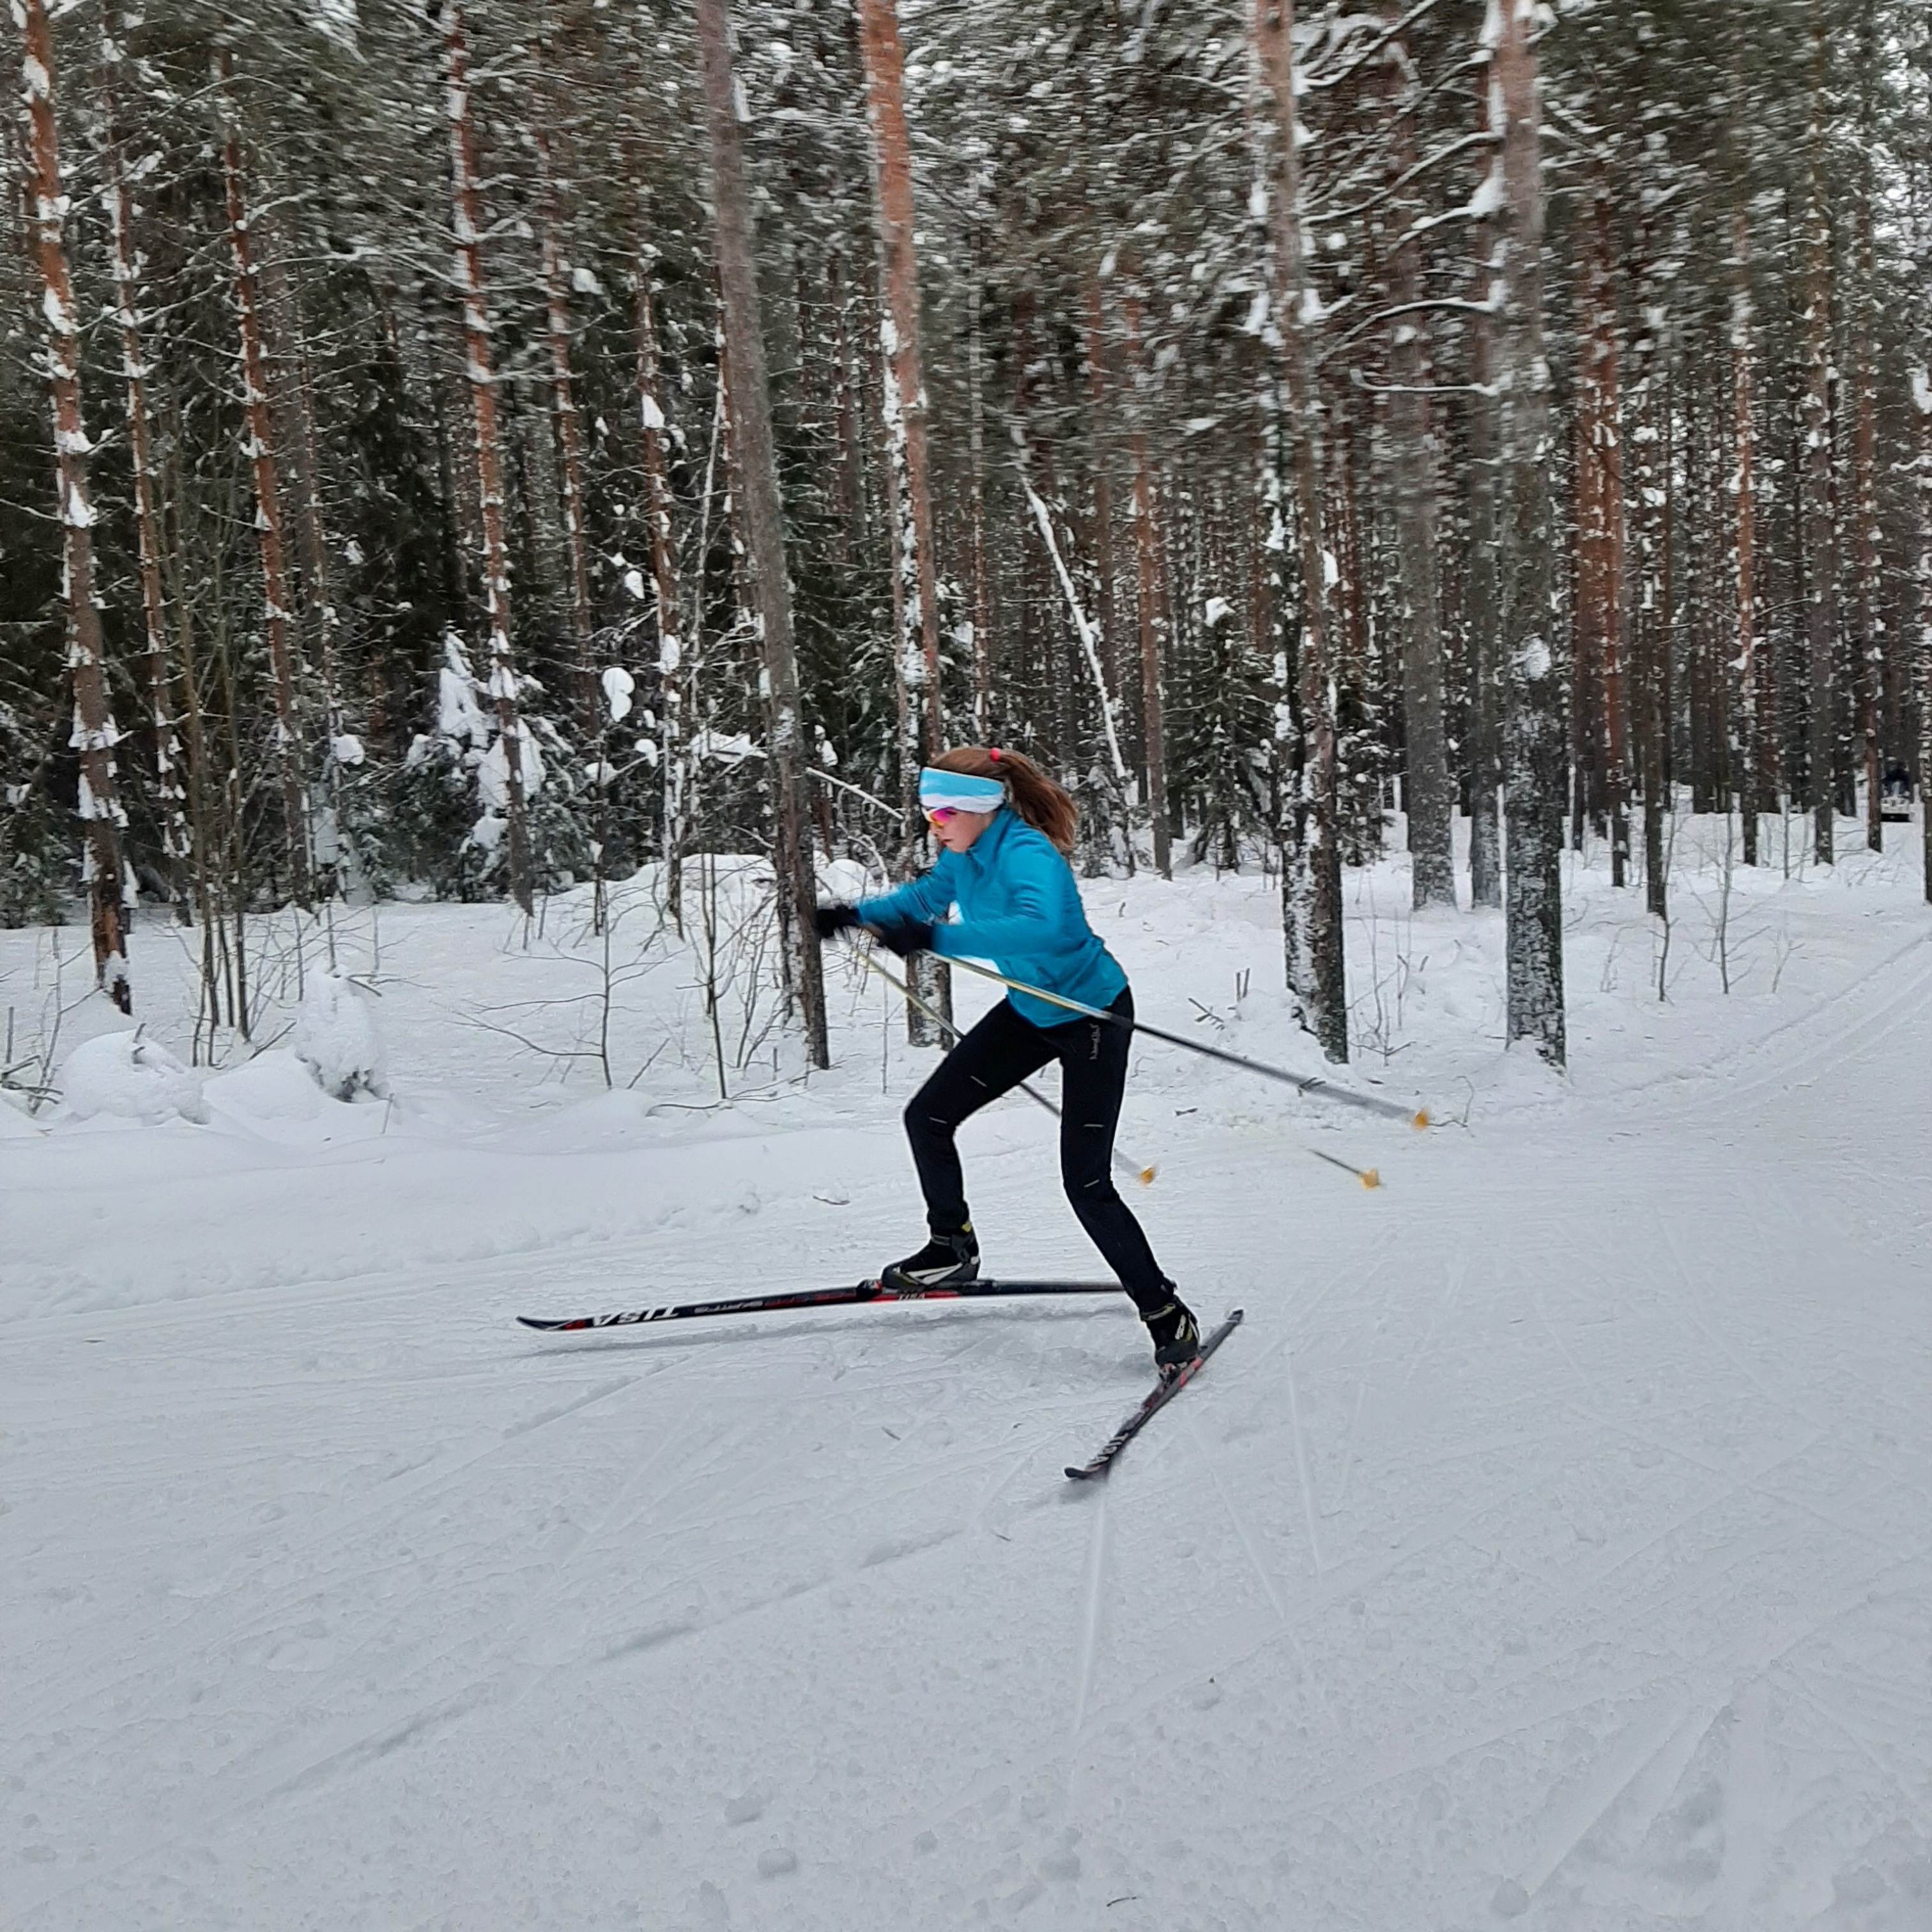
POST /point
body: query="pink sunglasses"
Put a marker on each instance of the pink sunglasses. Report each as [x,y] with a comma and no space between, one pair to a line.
[942,814]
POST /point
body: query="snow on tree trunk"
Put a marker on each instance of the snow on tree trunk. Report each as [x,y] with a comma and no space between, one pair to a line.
[1094,346]
[1921,398]
[673,749]
[1868,639]
[564,414]
[762,514]
[1648,474]
[341,747]
[975,436]
[1534,746]
[1821,616]
[915,607]
[1147,601]
[1482,592]
[1597,634]
[1311,862]
[466,200]
[94,735]
[170,792]
[851,472]
[259,446]
[1757,789]
[1415,463]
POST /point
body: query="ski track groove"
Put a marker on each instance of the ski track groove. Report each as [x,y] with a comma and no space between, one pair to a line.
[1302,1477]
[1570,1819]
[1748,1793]
[1310,1680]
[1093,1627]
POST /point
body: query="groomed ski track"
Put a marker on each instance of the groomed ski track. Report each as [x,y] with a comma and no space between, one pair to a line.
[1554,1547]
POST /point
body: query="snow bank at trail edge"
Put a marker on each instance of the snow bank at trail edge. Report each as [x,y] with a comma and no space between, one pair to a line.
[126,1076]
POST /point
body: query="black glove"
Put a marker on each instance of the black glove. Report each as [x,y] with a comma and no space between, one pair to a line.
[904,937]
[828,919]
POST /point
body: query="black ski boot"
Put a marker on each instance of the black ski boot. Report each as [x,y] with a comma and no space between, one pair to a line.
[1176,1336]
[945,1261]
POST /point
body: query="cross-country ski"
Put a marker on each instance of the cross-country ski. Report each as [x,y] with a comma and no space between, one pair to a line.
[1157,1398]
[859,1294]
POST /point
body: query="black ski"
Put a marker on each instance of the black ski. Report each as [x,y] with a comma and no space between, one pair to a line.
[1154,1403]
[818,1297]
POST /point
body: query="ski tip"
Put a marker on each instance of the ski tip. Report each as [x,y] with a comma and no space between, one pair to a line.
[549,1327]
[1074,1475]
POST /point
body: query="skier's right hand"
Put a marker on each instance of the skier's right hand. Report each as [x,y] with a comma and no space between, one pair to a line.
[829,920]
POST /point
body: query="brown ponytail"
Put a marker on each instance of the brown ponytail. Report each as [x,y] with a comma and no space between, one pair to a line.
[1042,803]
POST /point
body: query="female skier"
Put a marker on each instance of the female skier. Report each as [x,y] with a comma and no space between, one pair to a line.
[1005,828]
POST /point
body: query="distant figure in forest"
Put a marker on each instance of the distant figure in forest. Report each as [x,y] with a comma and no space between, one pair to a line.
[1005,828]
[1895,795]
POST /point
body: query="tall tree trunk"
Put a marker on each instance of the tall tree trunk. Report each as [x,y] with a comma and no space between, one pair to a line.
[1415,460]
[1482,599]
[1650,480]
[291,753]
[1922,398]
[1597,645]
[976,440]
[762,515]
[569,434]
[1534,748]
[905,406]
[312,548]
[851,472]
[1815,480]
[905,392]
[1147,603]
[95,736]
[1098,391]
[1312,865]
[1756,725]
[673,750]
[505,683]
[1868,639]
[170,794]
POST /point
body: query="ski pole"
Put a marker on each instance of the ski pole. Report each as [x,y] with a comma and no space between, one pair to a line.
[1125,1162]
[1368,1102]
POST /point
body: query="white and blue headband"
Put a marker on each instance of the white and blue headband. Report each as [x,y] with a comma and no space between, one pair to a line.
[958,791]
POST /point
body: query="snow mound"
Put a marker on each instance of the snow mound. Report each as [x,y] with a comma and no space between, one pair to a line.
[124,1075]
[336,1039]
[842,879]
[273,1086]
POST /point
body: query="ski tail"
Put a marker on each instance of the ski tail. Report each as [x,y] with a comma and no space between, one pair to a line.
[1157,1400]
[858,1294]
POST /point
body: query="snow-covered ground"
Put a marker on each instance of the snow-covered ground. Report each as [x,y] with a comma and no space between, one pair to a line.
[1553,1545]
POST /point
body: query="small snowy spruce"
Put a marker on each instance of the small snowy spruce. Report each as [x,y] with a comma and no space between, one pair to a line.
[336,1039]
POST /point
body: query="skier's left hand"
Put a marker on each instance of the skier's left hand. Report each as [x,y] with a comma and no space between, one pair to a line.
[904,937]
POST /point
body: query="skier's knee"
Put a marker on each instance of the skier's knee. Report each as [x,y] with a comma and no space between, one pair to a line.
[922,1123]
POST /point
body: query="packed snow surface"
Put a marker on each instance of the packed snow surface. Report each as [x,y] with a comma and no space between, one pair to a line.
[1551,1546]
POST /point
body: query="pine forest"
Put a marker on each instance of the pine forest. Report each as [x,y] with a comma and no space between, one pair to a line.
[473,450]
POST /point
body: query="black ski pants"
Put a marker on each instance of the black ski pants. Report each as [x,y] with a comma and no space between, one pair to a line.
[993,1059]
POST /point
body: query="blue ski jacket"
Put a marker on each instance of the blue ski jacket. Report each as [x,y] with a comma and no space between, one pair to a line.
[1020,909]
